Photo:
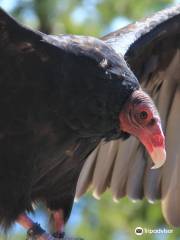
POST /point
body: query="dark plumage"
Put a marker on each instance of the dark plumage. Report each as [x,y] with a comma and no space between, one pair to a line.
[59,96]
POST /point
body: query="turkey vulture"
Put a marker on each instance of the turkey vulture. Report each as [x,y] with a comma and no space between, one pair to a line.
[62,97]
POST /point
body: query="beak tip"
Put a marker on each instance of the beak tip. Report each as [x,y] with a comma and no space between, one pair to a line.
[159,157]
[157,165]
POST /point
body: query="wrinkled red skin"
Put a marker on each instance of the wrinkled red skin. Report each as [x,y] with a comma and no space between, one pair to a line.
[148,129]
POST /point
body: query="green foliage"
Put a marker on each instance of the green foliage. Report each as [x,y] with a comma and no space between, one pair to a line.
[88,17]
[13,237]
[107,221]
[130,8]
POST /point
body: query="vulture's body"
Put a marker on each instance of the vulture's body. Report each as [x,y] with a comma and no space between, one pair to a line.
[55,110]
[60,96]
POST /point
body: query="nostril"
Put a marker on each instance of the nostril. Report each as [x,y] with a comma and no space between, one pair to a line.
[152,122]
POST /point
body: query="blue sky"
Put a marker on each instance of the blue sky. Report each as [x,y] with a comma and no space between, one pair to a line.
[8,5]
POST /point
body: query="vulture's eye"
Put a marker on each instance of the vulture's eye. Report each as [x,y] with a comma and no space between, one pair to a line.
[143,115]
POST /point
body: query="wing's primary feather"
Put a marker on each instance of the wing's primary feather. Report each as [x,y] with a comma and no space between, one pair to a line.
[151,48]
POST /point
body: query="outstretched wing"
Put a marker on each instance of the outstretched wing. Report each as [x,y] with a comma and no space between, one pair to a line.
[151,48]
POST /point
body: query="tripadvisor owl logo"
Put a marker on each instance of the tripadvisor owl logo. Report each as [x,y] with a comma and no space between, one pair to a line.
[139,231]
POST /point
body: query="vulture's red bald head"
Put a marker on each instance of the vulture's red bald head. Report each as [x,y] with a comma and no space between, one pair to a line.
[140,118]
